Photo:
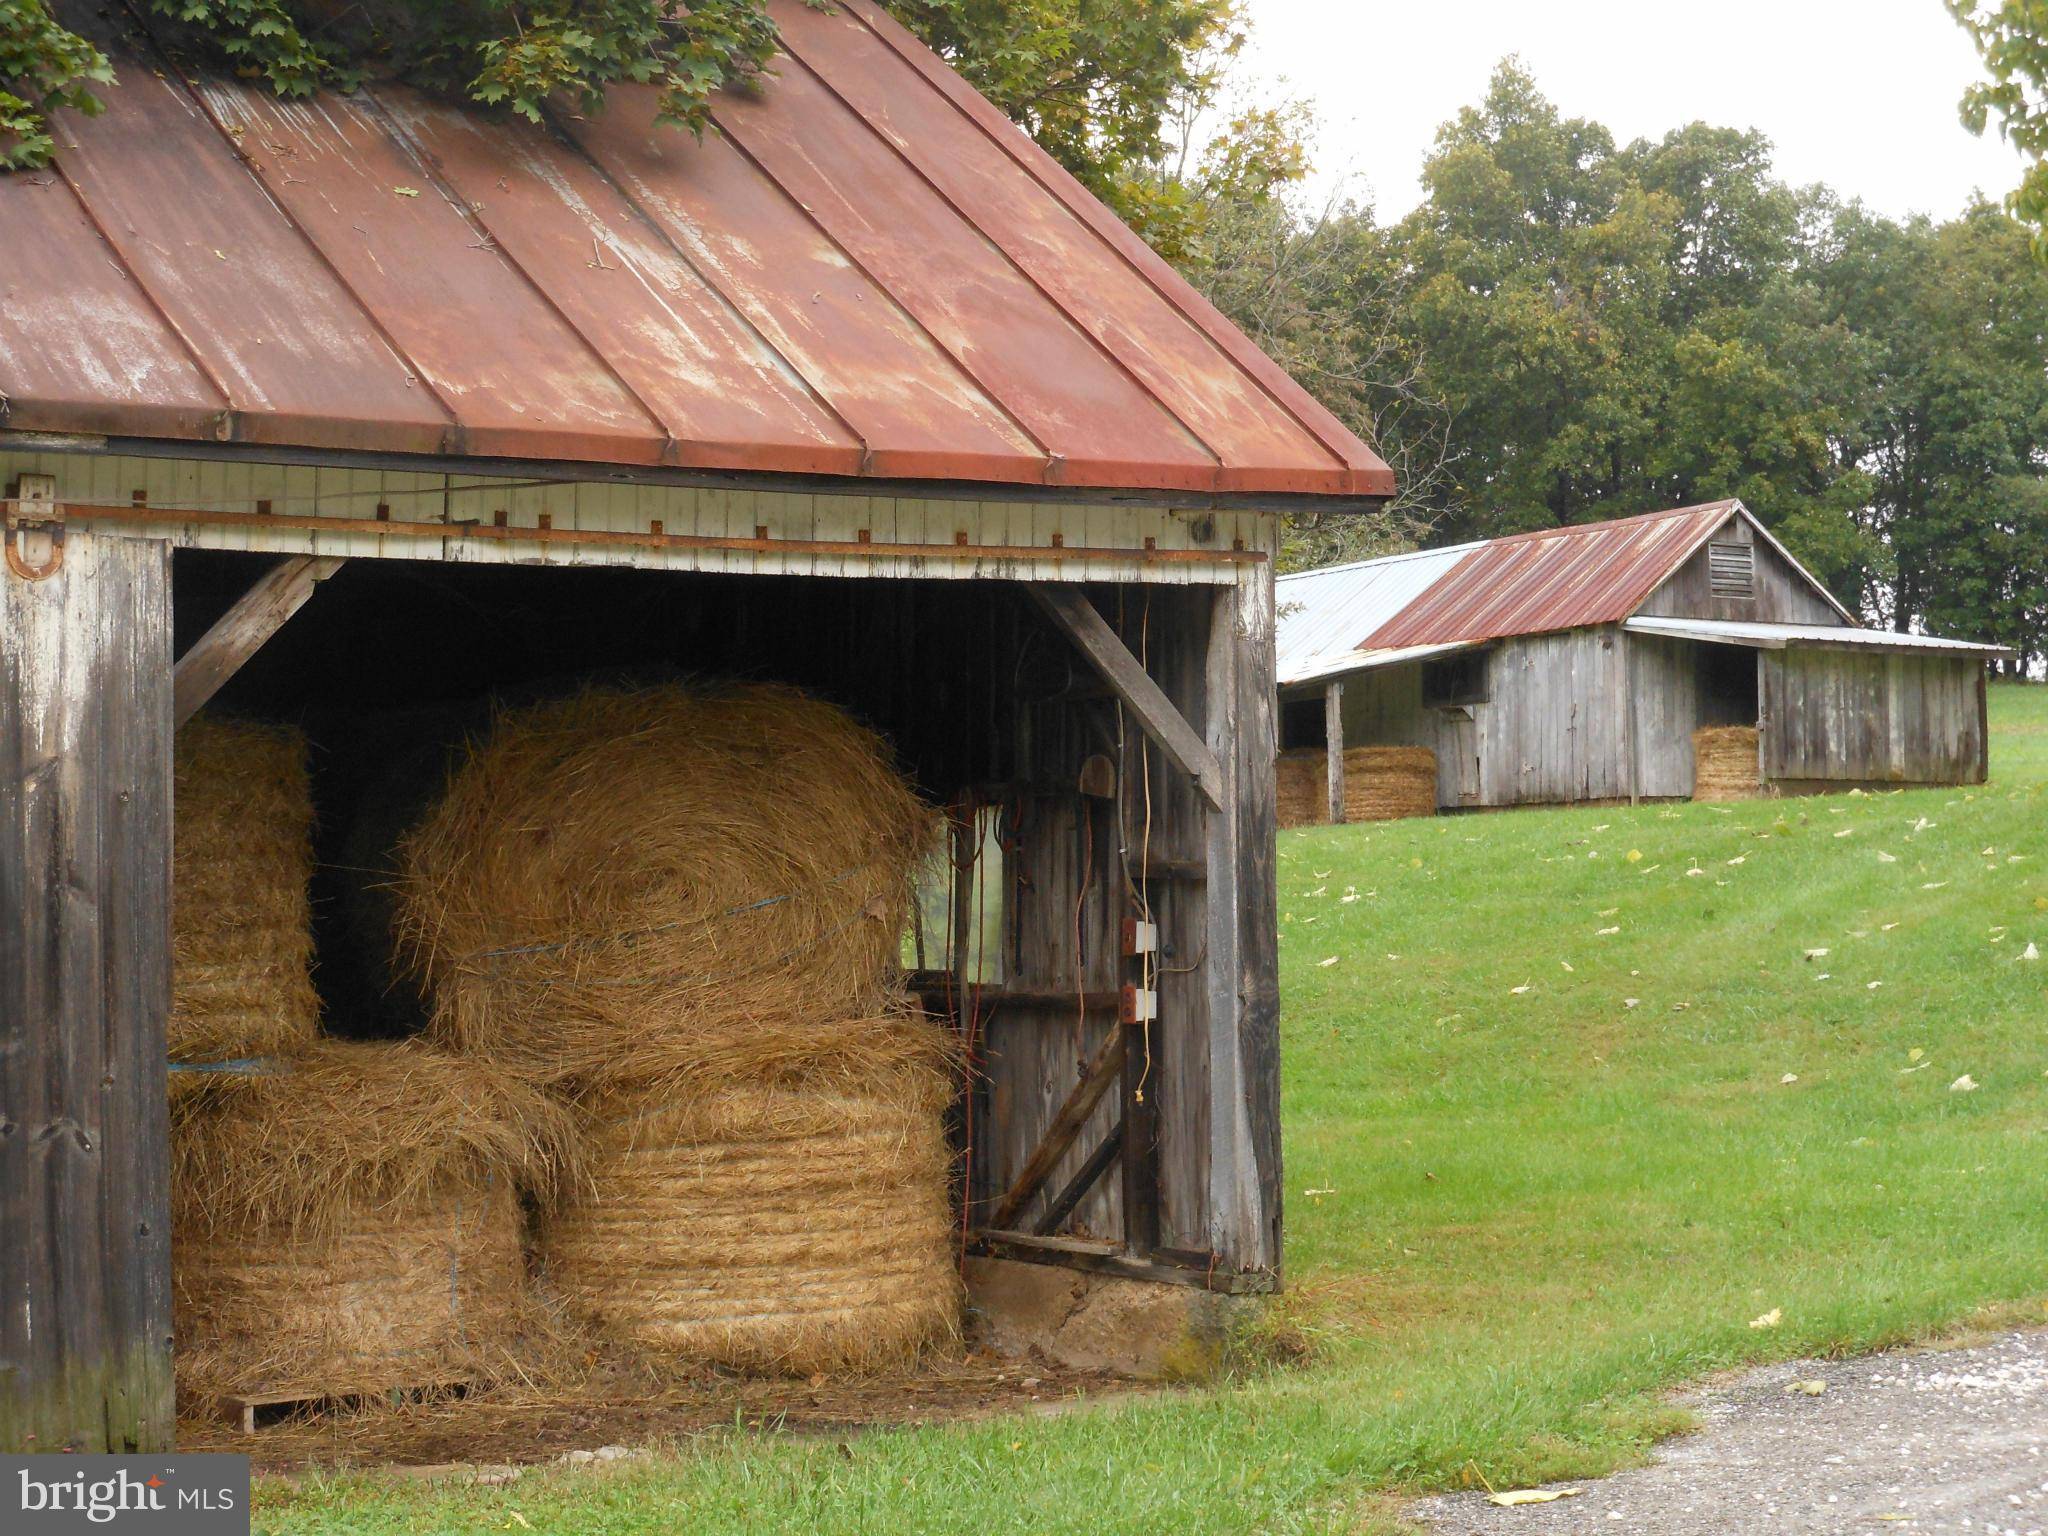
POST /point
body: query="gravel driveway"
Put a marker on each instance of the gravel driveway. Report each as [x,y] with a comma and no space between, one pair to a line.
[1947,1440]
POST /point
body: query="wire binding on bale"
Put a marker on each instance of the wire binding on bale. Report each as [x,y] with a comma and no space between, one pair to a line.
[1380,784]
[767,1227]
[624,886]
[242,857]
[1725,763]
[351,1221]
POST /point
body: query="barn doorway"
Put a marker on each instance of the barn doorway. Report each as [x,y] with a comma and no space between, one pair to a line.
[1727,681]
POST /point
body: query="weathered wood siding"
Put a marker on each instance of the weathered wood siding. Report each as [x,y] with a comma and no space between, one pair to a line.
[1664,682]
[1783,596]
[1554,726]
[933,528]
[1888,718]
[85,978]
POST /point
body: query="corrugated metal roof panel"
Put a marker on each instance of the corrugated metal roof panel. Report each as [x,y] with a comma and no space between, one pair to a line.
[863,269]
[1556,578]
[1325,615]
[1779,636]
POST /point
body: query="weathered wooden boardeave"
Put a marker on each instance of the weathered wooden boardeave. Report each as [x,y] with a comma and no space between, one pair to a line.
[85,976]
[244,1410]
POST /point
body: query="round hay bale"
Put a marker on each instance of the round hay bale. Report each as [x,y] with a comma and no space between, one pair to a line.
[615,882]
[421,1299]
[242,857]
[767,1227]
[1725,763]
[1388,783]
[351,1221]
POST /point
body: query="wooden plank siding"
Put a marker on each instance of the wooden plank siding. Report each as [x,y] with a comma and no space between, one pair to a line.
[85,978]
[1783,596]
[1888,718]
[1220,538]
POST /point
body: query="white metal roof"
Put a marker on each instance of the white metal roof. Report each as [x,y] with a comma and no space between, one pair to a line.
[1774,637]
[1324,614]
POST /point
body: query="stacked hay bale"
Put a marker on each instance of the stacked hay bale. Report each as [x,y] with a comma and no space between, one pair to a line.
[1301,787]
[242,856]
[1380,784]
[680,910]
[349,1221]
[1388,783]
[1725,763]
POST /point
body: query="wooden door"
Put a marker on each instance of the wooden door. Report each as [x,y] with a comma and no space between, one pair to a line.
[85,973]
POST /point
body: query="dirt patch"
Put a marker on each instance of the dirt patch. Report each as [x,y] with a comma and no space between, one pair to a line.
[504,1426]
[1934,1440]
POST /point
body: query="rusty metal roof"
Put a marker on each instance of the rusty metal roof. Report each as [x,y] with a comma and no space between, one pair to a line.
[863,270]
[1554,578]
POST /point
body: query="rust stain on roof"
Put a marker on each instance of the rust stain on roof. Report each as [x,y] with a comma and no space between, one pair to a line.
[1554,578]
[863,270]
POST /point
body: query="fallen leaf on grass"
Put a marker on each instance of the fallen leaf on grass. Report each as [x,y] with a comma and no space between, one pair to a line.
[1886,858]
[1630,1002]
[1789,1077]
[1517,991]
[1770,1319]
[1933,885]
[1740,858]
[1331,961]
[1567,965]
[1635,855]
[1846,832]
[1915,1054]
[1963,1084]
[1887,928]
[1531,1496]
[517,1518]
[1872,986]
[2031,952]
[1816,954]
[1605,933]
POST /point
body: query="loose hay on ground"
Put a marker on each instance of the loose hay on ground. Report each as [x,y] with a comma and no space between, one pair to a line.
[1380,784]
[1725,763]
[769,1227]
[352,1222]
[241,938]
[668,868]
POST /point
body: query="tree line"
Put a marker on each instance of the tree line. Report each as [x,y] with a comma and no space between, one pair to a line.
[1570,328]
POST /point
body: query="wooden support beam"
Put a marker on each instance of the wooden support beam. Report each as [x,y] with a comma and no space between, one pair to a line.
[1241,965]
[85,995]
[1085,1179]
[1104,1069]
[1333,747]
[241,632]
[1071,612]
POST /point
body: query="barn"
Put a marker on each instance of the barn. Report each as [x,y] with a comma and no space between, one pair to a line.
[353,410]
[1597,662]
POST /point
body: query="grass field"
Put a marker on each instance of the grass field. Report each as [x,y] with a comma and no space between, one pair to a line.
[1519,1204]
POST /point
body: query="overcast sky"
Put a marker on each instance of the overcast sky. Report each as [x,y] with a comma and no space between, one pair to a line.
[1860,94]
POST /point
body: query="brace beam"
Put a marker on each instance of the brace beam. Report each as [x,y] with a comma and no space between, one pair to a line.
[1105,1068]
[1069,609]
[243,630]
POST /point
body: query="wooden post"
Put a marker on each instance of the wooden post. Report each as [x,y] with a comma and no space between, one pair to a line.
[1333,746]
[1243,963]
[85,973]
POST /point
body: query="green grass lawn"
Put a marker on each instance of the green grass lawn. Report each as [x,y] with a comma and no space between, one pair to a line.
[1520,1207]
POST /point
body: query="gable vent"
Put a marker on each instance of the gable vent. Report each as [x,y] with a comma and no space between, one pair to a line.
[1731,570]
